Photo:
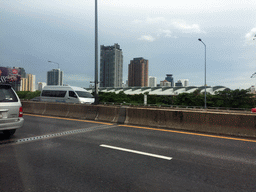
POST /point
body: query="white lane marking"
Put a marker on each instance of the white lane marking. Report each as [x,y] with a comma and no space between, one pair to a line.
[137,152]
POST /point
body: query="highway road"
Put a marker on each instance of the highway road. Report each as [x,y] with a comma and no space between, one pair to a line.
[59,154]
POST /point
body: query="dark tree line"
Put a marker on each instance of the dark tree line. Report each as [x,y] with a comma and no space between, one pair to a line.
[28,94]
[229,98]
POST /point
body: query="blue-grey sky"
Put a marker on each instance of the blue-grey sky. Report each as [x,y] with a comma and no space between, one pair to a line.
[164,32]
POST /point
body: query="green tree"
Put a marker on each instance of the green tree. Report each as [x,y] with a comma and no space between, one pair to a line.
[28,94]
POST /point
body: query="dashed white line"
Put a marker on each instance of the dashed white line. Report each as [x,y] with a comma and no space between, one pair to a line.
[137,152]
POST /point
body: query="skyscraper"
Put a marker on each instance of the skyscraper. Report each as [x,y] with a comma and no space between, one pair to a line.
[170,79]
[31,82]
[152,82]
[55,77]
[111,66]
[24,84]
[138,72]
[28,83]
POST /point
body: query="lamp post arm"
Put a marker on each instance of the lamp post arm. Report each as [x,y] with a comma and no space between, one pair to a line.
[204,74]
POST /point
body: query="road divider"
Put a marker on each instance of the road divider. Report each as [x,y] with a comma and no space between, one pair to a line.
[222,123]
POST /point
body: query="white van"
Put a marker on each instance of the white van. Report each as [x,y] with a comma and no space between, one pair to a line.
[66,94]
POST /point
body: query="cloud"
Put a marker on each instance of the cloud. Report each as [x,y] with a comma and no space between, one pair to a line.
[186,28]
[165,33]
[147,38]
[249,37]
[149,20]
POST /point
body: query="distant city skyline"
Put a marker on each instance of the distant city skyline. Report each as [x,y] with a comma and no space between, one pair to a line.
[164,32]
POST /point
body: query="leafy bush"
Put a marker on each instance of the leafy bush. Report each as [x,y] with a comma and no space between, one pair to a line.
[229,98]
[28,95]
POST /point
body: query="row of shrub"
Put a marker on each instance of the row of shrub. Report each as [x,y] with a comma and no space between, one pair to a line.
[229,99]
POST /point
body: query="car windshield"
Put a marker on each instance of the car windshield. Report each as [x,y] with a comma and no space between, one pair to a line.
[7,94]
[84,94]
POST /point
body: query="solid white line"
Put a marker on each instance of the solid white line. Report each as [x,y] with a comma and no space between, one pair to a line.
[138,152]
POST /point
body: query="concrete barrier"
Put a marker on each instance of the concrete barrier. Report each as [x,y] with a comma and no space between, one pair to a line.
[108,113]
[236,124]
[56,109]
[82,111]
[34,107]
[207,122]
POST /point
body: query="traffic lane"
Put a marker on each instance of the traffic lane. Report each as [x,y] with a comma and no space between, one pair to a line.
[137,139]
[36,125]
[214,151]
[74,163]
[203,160]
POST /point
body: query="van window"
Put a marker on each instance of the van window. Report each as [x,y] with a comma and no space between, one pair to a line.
[84,94]
[72,94]
[50,93]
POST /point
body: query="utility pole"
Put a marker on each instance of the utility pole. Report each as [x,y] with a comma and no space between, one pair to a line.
[96,55]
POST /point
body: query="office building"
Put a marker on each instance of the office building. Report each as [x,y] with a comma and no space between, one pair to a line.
[170,79]
[111,66]
[55,77]
[179,84]
[152,81]
[138,72]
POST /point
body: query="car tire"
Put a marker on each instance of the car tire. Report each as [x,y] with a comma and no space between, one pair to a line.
[9,133]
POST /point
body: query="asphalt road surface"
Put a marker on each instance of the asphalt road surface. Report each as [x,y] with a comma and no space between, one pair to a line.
[58,154]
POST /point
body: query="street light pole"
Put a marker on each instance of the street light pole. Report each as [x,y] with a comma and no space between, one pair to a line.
[96,55]
[58,69]
[55,63]
[204,74]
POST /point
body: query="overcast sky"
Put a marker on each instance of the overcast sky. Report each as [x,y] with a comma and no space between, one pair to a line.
[164,32]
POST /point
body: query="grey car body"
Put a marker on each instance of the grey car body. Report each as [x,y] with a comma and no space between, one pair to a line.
[11,115]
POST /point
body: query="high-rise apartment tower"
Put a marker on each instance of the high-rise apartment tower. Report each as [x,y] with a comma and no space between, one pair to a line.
[152,82]
[138,72]
[111,66]
[55,77]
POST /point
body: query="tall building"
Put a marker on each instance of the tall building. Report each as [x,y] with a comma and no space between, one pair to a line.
[111,66]
[185,82]
[138,72]
[152,81]
[41,85]
[28,83]
[31,82]
[24,84]
[55,77]
[170,79]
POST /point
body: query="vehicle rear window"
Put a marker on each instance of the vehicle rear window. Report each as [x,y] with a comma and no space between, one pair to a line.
[84,94]
[7,94]
[50,93]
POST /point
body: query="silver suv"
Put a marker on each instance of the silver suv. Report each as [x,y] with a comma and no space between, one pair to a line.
[11,114]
